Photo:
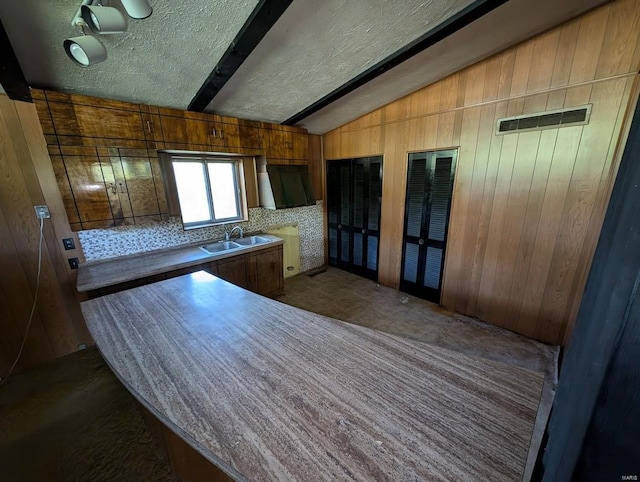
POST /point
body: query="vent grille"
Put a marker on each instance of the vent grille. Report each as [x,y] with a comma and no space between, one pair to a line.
[545,120]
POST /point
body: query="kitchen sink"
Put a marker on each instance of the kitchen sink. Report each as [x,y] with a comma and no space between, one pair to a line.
[251,240]
[220,246]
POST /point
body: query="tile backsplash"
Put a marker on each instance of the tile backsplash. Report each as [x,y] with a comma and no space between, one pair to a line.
[100,244]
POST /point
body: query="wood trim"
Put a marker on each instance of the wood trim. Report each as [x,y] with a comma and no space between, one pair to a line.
[27,179]
[11,76]
[527,207]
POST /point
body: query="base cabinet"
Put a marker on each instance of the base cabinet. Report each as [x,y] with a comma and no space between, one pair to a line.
[234,270]
[265,272]
[258,271]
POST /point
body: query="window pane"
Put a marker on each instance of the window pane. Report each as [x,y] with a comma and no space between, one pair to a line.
[223,189]
[192,191]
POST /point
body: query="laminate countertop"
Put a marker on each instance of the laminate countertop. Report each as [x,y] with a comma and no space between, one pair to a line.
[100,274]
[267,391]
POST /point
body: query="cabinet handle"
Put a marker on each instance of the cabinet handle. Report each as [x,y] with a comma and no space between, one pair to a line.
[149,127]
[121,188]
[113,187]
[221,136]
[214,133]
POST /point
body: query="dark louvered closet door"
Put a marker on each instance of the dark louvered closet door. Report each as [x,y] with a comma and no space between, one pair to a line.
[427,209]
[354,190]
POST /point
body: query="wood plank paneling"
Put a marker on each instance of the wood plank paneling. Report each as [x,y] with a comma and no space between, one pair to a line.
[27,179]
[316,166]
[527,207]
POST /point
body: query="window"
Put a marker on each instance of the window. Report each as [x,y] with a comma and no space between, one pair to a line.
[209,189]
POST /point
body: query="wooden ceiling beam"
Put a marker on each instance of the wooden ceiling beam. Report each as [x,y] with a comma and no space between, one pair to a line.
[12,78]
[263,17]
[450,26]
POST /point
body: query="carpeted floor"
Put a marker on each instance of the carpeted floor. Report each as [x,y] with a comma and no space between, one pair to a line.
[72,420]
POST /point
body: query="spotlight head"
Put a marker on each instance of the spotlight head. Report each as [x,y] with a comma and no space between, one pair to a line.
[138,9]
[103,20]
[85,50]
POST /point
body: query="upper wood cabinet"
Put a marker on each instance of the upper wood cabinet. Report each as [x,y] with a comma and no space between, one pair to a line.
[184,128]
[251,135]
[104,152]
[82,117]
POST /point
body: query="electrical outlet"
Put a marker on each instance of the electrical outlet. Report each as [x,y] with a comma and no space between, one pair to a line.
[73,262]
[68,244]
[42,211]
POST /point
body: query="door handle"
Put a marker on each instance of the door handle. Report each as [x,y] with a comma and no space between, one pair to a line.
[339,226]
[421,242]
[364,231]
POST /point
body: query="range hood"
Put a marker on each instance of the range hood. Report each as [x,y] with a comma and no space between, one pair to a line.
[284,186]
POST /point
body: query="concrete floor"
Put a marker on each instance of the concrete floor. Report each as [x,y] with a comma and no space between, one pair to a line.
[357,300]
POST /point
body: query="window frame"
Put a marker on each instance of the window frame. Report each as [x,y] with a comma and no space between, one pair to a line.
[173,199]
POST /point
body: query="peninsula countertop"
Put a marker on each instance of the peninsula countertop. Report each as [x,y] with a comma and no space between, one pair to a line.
[109,272]
[267,391]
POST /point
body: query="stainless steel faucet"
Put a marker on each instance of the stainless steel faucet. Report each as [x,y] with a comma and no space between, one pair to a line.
[227,234]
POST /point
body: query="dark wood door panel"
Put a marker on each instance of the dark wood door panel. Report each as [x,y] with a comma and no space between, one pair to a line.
[234,271]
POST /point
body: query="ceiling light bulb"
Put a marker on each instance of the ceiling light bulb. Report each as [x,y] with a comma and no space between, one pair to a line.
[103,20]
[78,54]
[137,9]
[85,50]
[95,21]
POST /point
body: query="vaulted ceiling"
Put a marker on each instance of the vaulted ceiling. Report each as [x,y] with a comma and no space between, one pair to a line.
[319,64]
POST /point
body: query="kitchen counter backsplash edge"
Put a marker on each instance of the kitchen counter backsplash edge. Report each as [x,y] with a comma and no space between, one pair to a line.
[123,241]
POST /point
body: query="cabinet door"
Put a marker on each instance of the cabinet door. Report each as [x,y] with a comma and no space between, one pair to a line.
[428,204]
[300,146]
[231,134]
[250,134]
[89,121]
[139,179]
[216,132]
[182,131]
[276,144]
[87,182]
[266,273]
[234,271]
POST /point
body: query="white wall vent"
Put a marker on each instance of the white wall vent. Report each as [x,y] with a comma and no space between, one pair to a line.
[545,120]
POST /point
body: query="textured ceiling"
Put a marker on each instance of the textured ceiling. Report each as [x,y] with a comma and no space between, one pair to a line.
[318,46]
[161,60]
[313,49]
[513,22]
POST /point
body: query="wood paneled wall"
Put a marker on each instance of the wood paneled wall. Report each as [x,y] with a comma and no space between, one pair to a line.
[27,179]
[527,207]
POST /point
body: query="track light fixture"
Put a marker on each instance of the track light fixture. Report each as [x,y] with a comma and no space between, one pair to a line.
[138,9]
[103,20]
[87,50]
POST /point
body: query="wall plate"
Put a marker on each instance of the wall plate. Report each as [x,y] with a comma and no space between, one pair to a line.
[42,211]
